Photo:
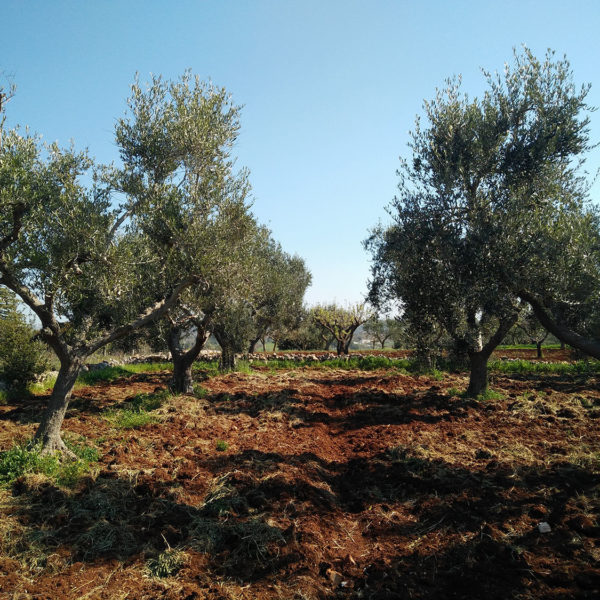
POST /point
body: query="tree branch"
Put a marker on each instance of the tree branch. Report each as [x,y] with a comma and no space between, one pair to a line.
[19,209]
[562,332]
[158,310]
[50,326]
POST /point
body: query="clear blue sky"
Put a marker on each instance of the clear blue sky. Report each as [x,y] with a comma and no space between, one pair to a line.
[330,89]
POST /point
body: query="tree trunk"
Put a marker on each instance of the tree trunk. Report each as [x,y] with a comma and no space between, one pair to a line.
[182,381]
[478,379]
[538,345]
[252,347]
[48,432]
[227,359]
[264,344]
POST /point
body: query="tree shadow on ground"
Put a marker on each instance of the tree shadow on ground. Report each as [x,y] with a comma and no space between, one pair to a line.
[113,517]
[450,528]
[368,407]
[454,528]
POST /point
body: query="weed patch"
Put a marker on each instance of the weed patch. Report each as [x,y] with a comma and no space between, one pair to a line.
[200,392]
[582,367]
[166,564]
[488,395]
[109,374]
[221,446]
[24,459]
[136,412]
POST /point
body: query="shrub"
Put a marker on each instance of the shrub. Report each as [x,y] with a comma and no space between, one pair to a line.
[22,357]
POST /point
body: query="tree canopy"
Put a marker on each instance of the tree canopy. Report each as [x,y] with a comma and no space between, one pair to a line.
[77,256]
[341,322]
[491,187]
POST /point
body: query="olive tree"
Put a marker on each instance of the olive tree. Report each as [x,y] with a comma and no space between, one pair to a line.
[381,329]
[281,283]
[341,322]
[535,333]
[485,173]
[304,333]
[74,254]
[262,292]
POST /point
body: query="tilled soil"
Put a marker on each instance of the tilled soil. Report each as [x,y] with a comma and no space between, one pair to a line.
[328,484]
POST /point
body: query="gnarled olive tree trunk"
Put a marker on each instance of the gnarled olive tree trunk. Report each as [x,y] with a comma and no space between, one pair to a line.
[252,347]
[227,360]
[48,431]
[182,381]
[478,357]
[478,376]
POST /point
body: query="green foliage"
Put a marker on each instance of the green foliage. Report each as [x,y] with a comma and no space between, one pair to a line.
[131,419]
[221,445]
[380,330]
[341,322]
[99,257]
[108,374]
[489,203]
[525,366]
[488,395]
[304,334]
[136,412]
[22,459]
[200,391]
[243,366]
[22,357]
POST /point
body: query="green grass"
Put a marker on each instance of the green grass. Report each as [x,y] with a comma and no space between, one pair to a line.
[488,395]
[206,368]
[527,347]
[131,419]
[109,374]
[221,446]
[137,412]
[366,363]
[26,458]
[581,367]
[106,374]
[200,391]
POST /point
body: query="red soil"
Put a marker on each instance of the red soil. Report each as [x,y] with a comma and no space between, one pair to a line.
[334,484]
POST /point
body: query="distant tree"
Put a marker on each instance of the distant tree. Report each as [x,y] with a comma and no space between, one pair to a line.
[381,330]
[484,176]
[342,322]
[304,334]
[536,334]
[281,281]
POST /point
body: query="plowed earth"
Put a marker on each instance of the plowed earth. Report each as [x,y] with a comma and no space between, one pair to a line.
[333,484]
